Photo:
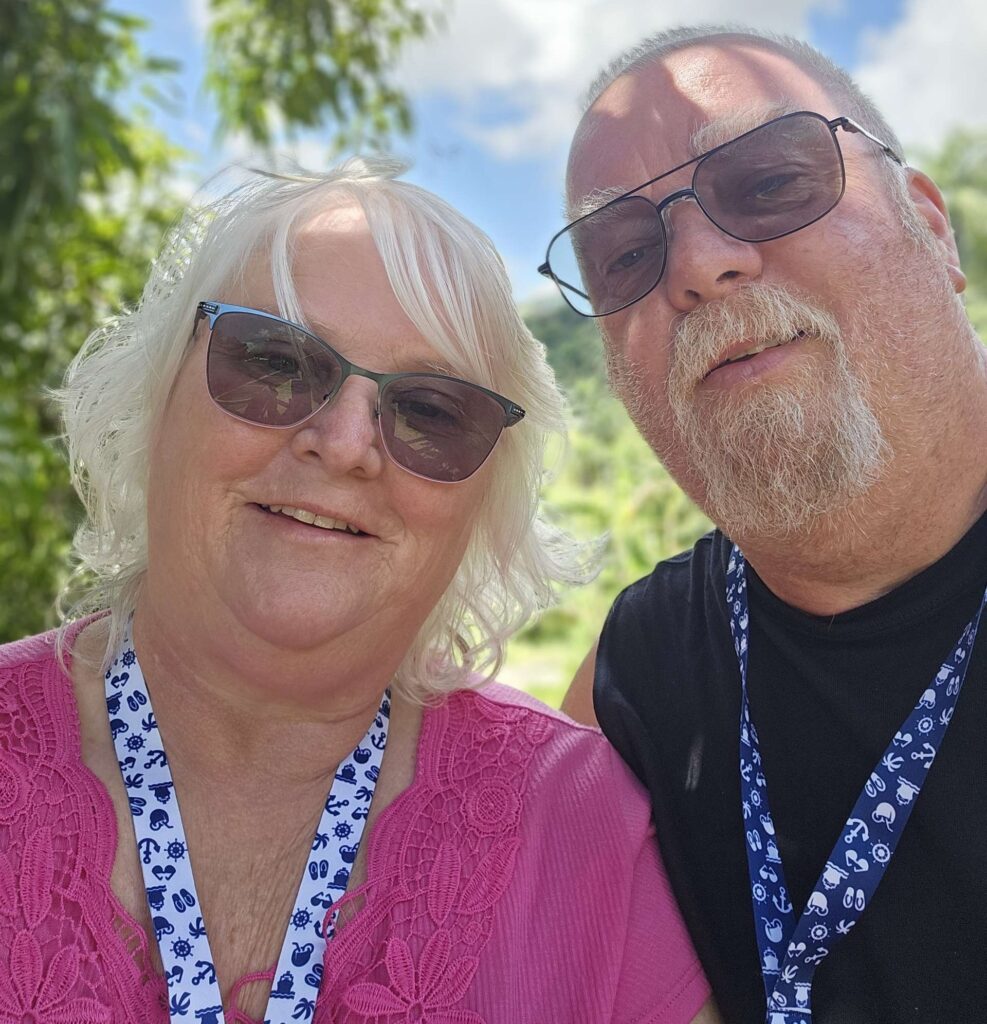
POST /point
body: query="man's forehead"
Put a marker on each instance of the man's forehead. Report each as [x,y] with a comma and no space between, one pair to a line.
[670,112]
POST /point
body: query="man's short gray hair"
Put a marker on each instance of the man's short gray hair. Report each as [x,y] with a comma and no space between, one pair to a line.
[453,286]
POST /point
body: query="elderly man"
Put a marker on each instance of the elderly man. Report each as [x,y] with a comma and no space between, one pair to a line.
[780,307]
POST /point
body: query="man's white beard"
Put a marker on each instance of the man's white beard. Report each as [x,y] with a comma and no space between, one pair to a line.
[772,458]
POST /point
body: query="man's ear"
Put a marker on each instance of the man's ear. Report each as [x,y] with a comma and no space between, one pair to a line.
[931,207]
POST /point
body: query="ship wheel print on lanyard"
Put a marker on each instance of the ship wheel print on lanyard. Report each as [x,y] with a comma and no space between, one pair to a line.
[792,948]
[193,992]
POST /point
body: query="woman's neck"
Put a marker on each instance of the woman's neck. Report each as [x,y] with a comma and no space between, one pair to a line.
[236,713]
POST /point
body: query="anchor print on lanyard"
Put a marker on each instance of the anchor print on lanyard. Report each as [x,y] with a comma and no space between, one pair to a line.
[791,949]
[193,992]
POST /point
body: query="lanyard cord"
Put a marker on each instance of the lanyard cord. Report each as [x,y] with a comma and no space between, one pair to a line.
[165,858]
[791,949]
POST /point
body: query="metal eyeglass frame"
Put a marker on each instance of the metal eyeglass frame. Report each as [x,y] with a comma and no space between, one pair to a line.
[212,311]
[846,123]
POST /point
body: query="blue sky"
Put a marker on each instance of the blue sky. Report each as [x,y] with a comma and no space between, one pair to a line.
[496,94]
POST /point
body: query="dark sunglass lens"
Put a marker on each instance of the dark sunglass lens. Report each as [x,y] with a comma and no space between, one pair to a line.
[774,180]
[437,427]
[610,258]
[267,372]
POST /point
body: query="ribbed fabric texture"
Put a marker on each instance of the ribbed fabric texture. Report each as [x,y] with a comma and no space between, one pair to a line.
[516,881]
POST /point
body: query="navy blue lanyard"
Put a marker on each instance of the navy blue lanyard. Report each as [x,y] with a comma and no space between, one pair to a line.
[792,948]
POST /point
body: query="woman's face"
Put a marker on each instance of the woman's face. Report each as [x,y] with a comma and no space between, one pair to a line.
[214,545]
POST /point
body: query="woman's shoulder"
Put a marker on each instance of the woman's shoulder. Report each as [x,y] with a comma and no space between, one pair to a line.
[43,649]
[31,650]
[38,713]
[568,768]
[548,732]
[505,696]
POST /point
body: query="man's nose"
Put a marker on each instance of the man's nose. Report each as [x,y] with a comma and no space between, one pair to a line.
[704,262]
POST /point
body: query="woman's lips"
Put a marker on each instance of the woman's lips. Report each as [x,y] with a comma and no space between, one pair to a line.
[309,518]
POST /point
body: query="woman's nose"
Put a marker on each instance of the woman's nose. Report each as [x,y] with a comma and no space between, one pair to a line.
[345,434]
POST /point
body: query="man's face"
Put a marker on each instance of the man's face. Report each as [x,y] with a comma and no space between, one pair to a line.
[765,375]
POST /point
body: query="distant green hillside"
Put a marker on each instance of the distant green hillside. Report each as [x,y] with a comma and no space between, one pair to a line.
[609,486]
[573,341]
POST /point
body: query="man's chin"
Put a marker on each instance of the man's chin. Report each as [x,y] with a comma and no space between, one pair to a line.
[780,475]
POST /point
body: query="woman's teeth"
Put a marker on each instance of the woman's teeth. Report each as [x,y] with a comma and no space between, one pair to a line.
[304,516]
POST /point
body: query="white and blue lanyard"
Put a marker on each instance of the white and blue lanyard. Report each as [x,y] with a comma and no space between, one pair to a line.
[193,991]
[791,949]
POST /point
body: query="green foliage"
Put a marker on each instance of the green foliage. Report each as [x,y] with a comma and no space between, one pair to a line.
[85,198]
[302,62]
[71,167]
[60,134]
[573,341]
[611,487]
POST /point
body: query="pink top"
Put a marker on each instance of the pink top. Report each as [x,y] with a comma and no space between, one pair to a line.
[516,880]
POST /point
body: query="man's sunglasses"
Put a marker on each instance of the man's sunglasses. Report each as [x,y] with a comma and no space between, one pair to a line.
[273,373]
[767,183]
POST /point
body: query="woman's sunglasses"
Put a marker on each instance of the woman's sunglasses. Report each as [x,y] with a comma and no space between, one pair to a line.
[265,370]
[767,183]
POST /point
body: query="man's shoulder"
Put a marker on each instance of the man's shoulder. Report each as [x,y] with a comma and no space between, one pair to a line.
[673,578]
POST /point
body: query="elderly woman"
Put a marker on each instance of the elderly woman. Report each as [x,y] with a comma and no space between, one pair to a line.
[262,783]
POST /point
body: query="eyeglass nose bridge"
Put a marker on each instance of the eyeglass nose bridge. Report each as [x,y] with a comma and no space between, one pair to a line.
[352,370]
[673,199]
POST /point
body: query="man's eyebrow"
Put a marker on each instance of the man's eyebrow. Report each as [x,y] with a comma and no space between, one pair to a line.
[737,122]
[592,201]
[703,139]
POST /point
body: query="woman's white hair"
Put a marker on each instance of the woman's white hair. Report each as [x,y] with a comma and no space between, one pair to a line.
[451,283]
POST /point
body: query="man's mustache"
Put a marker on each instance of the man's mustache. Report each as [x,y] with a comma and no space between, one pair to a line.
[757,313]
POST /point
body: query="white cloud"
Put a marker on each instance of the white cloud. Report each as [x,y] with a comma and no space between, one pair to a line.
[198,14]
[928,73]
[536,59]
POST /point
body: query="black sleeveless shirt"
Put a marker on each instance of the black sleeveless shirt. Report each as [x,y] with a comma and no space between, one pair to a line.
[827,695]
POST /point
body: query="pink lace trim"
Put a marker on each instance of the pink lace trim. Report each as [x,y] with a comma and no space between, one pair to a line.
[408,941]
[69,954]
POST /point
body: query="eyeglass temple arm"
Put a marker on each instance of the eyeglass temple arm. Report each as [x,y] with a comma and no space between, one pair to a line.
[513,415]
[204,311]
[849,125]
[546,271]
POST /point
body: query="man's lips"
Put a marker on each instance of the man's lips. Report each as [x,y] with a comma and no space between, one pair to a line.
[742,351]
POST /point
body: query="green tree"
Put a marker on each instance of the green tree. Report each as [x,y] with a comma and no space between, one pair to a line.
[85,198]
[71,170]
[611,487]
[301,63]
